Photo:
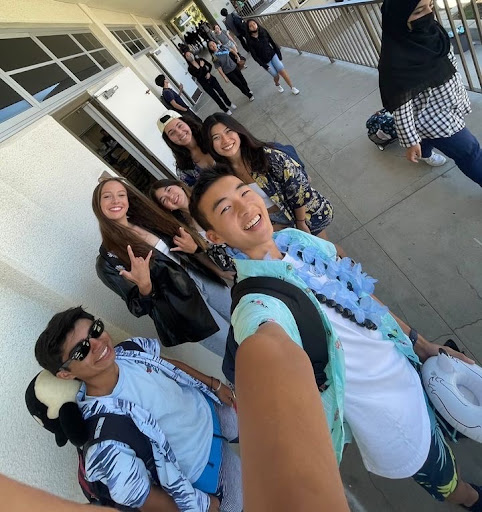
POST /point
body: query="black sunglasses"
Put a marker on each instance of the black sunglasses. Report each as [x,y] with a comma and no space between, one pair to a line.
[81,349]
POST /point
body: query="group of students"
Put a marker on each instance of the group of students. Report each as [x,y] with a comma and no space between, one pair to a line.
[242,210]
[229,62]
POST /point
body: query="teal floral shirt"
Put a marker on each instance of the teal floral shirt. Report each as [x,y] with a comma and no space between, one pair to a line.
[255,309]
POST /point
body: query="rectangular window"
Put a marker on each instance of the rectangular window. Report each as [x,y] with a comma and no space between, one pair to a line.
[153,34]
[44,82]
[11,103]
[88,41]
[82,67]
[19,53]
[104,58]
[131,40]
[38,67]
[61,46]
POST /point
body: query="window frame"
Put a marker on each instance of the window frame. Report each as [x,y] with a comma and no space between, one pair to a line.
[41,109]
[115,28]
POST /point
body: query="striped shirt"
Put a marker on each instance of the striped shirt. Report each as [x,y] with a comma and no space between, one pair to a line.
[435,113]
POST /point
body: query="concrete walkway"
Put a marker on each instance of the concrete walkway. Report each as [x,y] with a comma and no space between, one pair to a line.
[416,229]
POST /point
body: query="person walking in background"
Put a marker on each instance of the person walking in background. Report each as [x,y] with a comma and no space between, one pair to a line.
[223,37]
[184,138]
[268,54]
[200,69]
[235,24]
[228,68]
[420,85]
[174,100]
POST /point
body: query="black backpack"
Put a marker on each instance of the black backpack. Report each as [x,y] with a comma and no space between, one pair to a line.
[238,23]
[312,330]
[114,427]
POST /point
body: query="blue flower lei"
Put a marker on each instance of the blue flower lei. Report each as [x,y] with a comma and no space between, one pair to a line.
[348,289]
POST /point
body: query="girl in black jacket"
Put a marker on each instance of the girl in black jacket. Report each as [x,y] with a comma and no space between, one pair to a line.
[200,69]
[268,54]
[142,260]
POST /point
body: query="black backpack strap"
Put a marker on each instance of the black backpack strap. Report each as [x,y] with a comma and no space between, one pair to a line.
[310,325]
[121,428]
[130,345]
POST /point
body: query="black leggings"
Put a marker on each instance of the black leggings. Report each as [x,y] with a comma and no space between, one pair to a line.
[239,81]
[214,89]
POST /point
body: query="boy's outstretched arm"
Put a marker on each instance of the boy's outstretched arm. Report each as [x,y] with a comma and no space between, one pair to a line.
[287,457]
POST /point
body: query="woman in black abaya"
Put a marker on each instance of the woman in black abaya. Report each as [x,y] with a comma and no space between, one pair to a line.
[420,85]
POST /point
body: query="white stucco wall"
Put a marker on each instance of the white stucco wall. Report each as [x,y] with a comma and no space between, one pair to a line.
[48,243]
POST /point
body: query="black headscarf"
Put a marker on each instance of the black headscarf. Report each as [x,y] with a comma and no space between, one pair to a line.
[411,61]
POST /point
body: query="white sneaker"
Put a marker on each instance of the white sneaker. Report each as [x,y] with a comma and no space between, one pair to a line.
[233,106]
[229,113]
[434,160]
[280,88]
[252,98]
[295,91]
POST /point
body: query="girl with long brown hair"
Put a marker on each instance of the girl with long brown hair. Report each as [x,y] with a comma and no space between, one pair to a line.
[173,196]
[273,174]
[144,258]
[183,136]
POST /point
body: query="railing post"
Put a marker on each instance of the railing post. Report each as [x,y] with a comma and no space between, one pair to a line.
[309,19]
[459,45]
[371,30]
[295,46]
[468,35]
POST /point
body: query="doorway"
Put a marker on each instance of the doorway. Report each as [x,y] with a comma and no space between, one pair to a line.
[188,19]
[109,147]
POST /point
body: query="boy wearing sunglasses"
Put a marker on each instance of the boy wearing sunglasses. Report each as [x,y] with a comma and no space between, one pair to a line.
[183,412]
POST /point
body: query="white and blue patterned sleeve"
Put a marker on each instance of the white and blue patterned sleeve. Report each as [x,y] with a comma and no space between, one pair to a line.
[255,309]
[150,345]
[116,466]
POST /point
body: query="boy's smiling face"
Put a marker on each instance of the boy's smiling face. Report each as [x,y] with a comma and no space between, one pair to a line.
[238,217]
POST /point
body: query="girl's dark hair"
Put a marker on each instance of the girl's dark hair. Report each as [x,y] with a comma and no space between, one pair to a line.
[143,213]
[260,28]
[252,151]
[168,183]
[213,57]
[182,154]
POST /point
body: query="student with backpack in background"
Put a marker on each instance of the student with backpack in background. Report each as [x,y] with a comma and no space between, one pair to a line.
[235,24]
[223,37]
[174,100]
[228,68]
[185,415]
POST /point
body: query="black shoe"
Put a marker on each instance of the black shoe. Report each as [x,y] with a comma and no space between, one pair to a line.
[451,344]
[477,506]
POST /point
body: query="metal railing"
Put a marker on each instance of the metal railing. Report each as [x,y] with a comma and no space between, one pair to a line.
[351,32]
[249,8]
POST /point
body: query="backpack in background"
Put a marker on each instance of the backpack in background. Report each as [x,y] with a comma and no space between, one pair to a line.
[381,129]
